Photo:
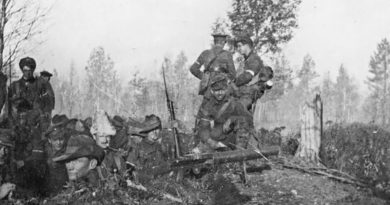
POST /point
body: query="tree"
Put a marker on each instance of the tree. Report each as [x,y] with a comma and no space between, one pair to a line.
[346,98]
[270,22]
[282,78]
[306,75]
[135,97]
[20,22]
[100,77]
[378,81]
[328,89]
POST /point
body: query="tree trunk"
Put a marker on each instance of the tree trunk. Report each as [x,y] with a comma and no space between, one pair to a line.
[311,130]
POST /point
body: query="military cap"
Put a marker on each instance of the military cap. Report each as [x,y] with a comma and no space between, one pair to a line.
[244,39]
[58,120]
[219,82]
[117,121]
[29,62]
[46,74]
[81,146]
[55,133]
[219,35]
[6,139]
[153,121]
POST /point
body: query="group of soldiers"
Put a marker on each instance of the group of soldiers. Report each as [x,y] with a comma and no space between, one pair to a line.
[225,115]
[39,154]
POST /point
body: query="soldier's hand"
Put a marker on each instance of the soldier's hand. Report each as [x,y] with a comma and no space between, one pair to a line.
[227,126]
[19,164]
[5,189]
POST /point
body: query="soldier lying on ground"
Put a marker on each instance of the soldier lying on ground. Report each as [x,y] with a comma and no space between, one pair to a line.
[147,149]
[57,175]
[6,177]
[81,157]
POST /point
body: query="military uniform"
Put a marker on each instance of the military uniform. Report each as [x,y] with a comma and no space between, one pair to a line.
[254,74]
[113,163]
[35,91]
[214,113]
[215,60]
[57,175]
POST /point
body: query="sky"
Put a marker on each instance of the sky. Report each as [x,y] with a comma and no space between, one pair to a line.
[139,34]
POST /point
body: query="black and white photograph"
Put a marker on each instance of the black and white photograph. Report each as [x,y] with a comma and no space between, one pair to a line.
[194,102]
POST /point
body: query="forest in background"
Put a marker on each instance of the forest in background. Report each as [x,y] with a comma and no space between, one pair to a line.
[271,23]
[343,103]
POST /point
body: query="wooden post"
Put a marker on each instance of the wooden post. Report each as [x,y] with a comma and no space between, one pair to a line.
[311,130]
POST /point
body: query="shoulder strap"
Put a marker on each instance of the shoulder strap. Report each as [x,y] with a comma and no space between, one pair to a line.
[215,58]
[223,108]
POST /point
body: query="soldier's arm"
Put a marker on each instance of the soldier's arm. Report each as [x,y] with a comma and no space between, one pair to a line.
[195,68]
[230,67]
[252,69]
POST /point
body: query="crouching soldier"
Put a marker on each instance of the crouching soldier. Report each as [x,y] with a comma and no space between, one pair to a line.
[6,177]
[255,78]
[81,157]
[220,115]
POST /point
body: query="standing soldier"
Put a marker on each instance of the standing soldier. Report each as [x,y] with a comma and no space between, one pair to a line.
[47,100]
[255,77]
[214,60]
[29,89]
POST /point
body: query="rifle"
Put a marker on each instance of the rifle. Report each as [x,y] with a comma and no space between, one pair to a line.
[192,161]
[172,116]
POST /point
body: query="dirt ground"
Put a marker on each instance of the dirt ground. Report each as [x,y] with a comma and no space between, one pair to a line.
[286,186]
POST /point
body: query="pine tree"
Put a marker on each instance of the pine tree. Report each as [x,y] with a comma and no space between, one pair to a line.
[306,75]
[346,96]
[328,89]
[100,72]
[378,82]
